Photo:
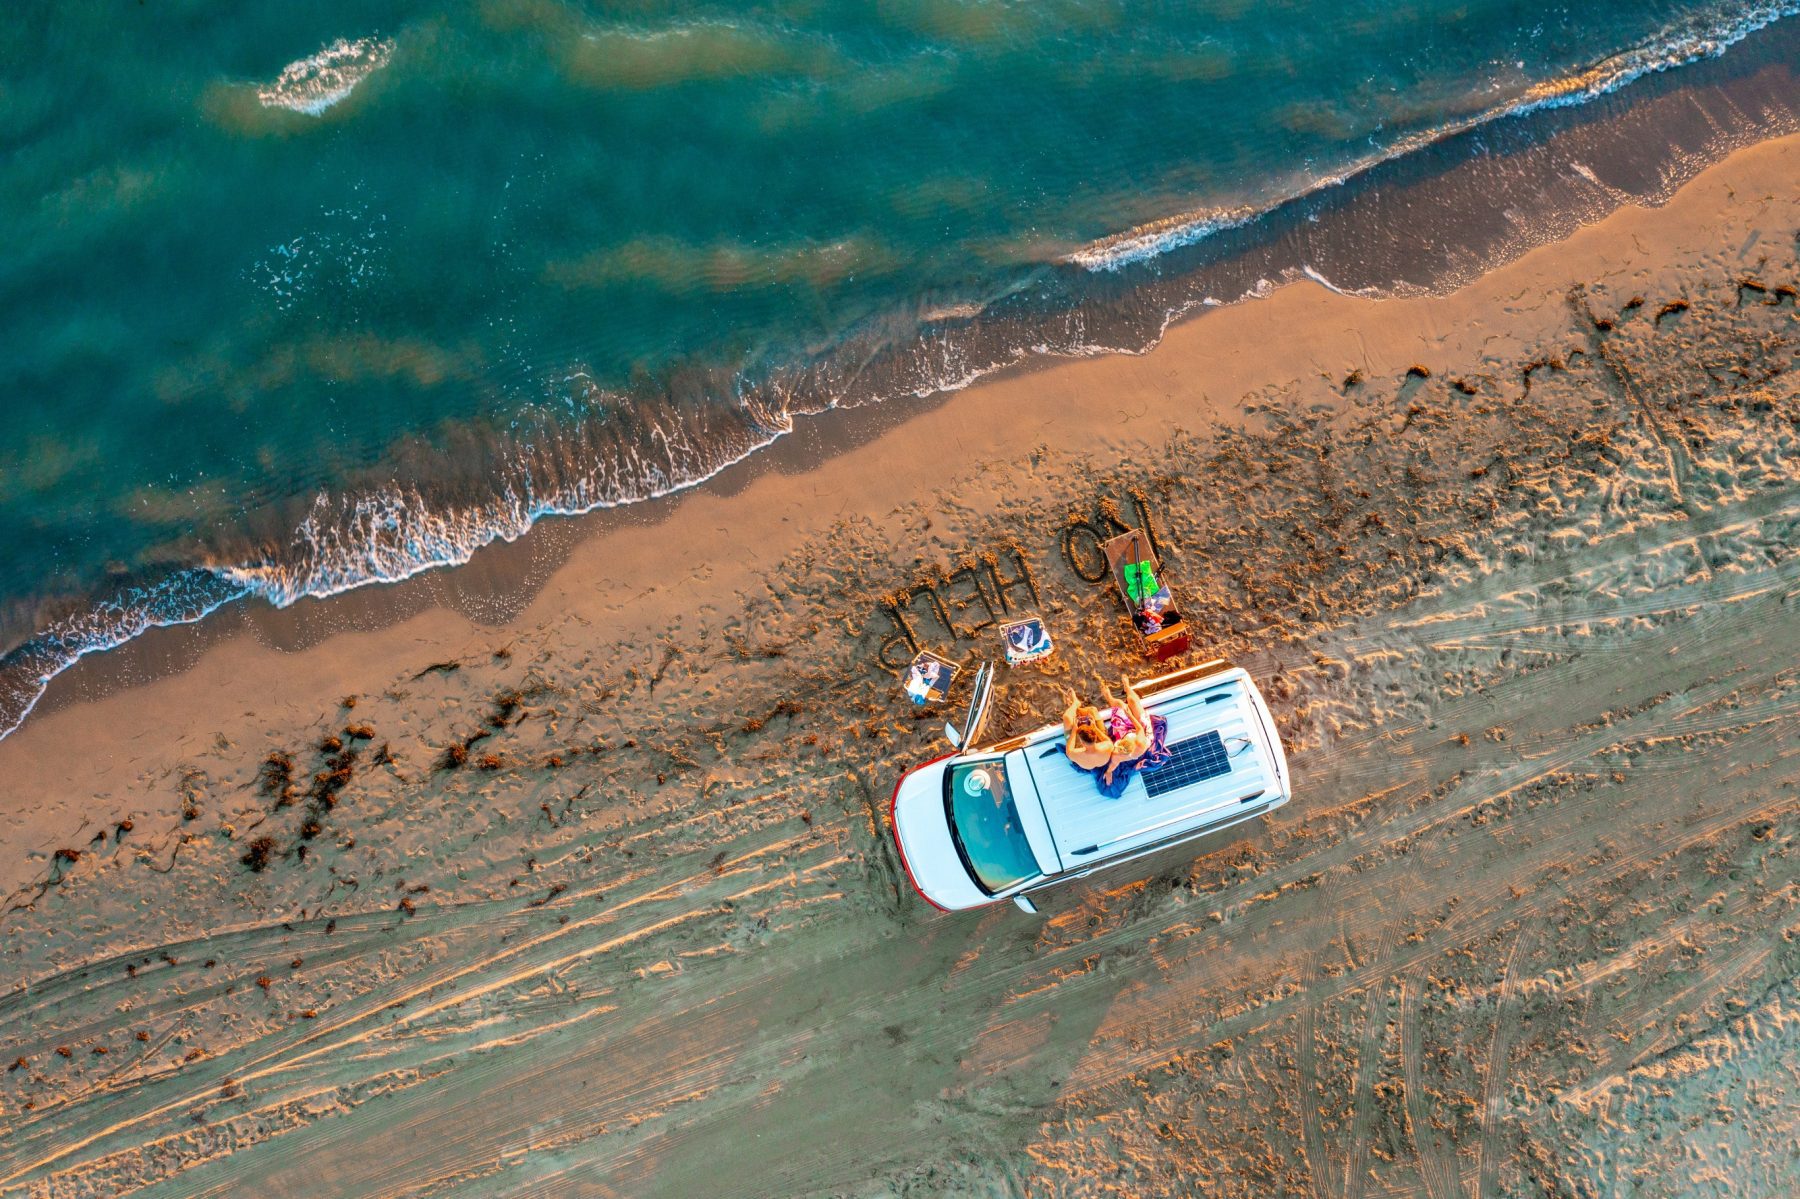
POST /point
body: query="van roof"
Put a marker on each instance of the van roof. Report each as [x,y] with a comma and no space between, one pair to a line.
[1087,826]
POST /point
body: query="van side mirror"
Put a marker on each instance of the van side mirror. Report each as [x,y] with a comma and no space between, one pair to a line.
[1024,904]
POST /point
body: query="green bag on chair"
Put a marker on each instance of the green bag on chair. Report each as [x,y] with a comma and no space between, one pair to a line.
[1140,581]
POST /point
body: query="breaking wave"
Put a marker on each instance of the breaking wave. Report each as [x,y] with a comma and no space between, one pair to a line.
[315,83]
[1675,48]
[185,597]
[392,533]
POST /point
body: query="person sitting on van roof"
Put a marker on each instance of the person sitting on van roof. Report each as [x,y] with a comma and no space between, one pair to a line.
[1089,746]
[1117,743]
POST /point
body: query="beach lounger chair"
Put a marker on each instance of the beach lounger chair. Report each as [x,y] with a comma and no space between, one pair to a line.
[1026,640]
[1145,593]
[927,680]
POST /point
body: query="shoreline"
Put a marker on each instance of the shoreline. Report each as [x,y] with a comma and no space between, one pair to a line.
[1504,184]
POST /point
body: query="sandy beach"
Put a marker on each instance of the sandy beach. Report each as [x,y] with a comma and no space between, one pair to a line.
[568,871]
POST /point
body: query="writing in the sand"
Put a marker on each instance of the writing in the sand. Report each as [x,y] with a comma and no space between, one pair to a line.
[964,601]
[987,588]
[1083,541]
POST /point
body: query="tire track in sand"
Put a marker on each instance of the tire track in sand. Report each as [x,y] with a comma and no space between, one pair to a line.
[1436,1169]
[1364,1112]
[1306,1061]
[1499,1049]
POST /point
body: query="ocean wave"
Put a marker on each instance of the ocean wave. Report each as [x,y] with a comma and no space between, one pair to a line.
[184,597]
[391,534]
[1675,48]
[1156,238]
[318,81]
[679,267]
[1672,48]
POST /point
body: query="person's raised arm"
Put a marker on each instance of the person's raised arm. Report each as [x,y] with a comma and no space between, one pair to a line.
[1138,714]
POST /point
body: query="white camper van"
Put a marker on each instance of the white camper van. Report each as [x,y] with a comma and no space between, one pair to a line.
[1008,819]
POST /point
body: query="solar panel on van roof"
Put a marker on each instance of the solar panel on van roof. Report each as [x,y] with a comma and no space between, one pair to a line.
[1189,761]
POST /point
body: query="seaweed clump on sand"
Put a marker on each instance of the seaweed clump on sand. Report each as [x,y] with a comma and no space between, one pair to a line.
[327,788]
[508,709]
[329,783]
[276,777]
[258,854]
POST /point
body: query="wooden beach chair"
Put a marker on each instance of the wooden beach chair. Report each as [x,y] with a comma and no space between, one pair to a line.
[1026,640]
[1148,602]
[927,679]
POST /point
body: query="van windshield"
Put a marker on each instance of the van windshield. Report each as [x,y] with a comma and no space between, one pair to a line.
[985,825]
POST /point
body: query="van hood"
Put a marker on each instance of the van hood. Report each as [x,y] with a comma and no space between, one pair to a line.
[922,828]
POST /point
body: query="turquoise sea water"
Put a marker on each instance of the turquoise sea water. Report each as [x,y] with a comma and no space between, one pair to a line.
[300,297]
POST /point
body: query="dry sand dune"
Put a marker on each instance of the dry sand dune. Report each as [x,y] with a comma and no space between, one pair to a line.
[602,902]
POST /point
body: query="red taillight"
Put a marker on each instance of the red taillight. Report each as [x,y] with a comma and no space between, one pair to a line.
[894,823]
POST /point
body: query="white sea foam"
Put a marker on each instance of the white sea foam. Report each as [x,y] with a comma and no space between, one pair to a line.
[1157,238]
[315,83]
[1672,48]
[394,533]
[953,312]
[184,598]
[1313,273]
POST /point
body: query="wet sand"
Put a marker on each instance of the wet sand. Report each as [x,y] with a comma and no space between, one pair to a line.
[589,891]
